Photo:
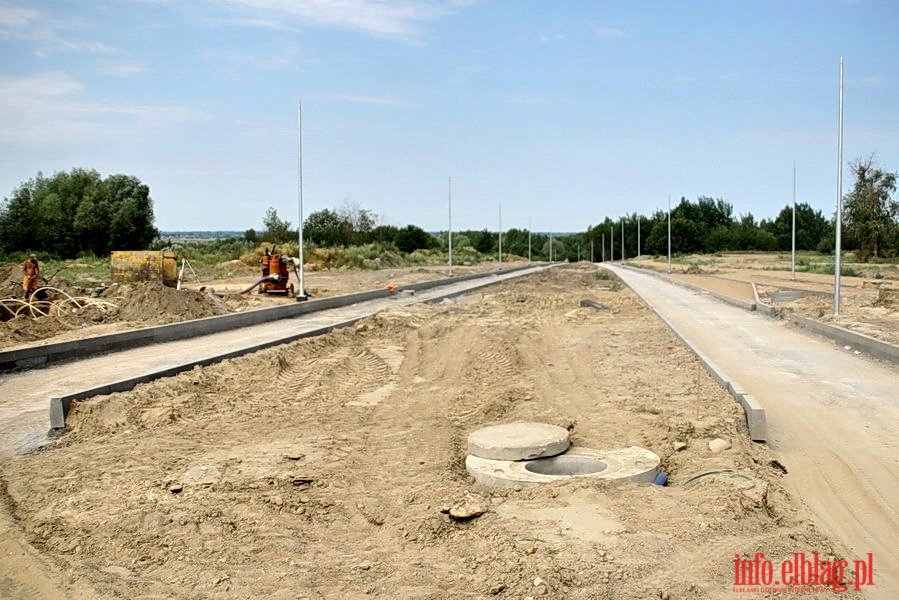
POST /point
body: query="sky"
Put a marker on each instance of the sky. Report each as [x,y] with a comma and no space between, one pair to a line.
[540,114]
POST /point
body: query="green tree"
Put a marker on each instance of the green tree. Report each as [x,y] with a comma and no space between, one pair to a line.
[359,222]
[515,241]
[812,228]
[277,231]
[131,212]
[326,228]
[484,241]
[75,212]
[384,234]
[411,238]
[869,212]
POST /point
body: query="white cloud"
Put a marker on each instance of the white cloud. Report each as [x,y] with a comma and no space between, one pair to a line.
[399,19]
[16,18]
[872,81]
[54,108]
[47,32]
[551,37]
[122,69]
[610,32]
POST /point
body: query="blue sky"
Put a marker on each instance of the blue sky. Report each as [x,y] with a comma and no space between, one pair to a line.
[559,112]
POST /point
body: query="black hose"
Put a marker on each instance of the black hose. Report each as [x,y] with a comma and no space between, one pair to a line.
[266,278]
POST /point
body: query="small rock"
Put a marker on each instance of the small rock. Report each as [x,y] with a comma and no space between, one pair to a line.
[541,583]
[117,571]
[718,445]
[467,511]
[680,446]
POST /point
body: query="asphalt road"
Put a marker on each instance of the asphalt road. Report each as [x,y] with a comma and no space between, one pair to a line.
[833,415]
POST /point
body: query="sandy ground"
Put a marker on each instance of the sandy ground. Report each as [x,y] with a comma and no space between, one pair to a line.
[869,303]
[71,313]
[326,468]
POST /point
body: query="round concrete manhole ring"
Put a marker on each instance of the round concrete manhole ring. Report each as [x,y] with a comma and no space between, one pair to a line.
[518,441]
[634,464]
[566,466]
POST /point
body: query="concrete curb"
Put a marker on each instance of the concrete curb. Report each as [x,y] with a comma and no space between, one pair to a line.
[863,343]
[34,356]
[756,419]
[858,341]
[765,309]
[59,406]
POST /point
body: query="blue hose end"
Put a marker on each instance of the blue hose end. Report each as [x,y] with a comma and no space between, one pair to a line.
[661,478]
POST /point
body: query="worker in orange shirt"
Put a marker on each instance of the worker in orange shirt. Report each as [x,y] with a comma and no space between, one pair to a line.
[32,271]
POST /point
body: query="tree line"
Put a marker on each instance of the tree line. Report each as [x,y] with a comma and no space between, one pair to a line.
[870,225]
[79,212]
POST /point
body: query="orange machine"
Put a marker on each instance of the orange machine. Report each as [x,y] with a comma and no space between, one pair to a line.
[275,274]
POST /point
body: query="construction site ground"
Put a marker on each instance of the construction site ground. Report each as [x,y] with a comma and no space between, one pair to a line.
[332,467]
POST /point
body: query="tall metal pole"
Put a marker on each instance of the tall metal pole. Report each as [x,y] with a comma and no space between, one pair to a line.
[638,236]
[793,262]
[669,234]
[591,251]
[450,231]
[500,235]
[301,293]
[529,240]
[550,244]
[837,251]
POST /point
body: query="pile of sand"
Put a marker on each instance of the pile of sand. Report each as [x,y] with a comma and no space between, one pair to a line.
[154,303]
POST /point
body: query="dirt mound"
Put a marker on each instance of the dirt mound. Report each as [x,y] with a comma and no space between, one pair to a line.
[10,280]
[70,314]
[155,303]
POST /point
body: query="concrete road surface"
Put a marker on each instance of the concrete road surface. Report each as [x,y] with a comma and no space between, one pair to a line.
[832,415]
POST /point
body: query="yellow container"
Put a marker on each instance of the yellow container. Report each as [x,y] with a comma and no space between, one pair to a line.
[133,266]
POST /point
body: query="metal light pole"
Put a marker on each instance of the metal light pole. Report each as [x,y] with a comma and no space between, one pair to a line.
[450,231]
[669,234]
[500,235]
[793,262]
[529,240]
[550,244]
[839,244]
[301,293]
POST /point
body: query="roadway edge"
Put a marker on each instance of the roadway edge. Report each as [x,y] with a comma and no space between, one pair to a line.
[756,418]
